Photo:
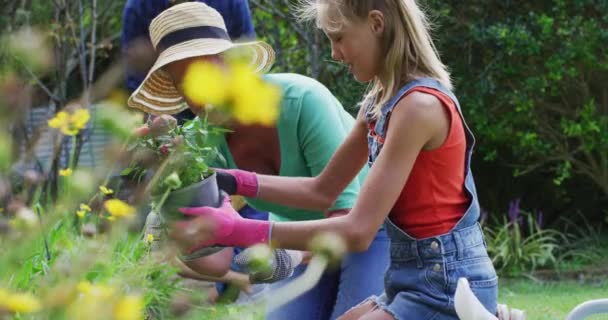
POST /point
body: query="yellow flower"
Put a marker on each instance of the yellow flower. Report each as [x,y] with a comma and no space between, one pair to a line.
[255,102]
[81,213]
[206,83]
[70,124]
[80,118]
[61,119]
[149,238]
[105,190]
[19,302]
[129,308]
[259,106]
[85,207]
[65,172]
[100,291]
[118,208]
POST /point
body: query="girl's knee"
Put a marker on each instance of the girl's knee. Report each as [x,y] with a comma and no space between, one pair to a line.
[358,311]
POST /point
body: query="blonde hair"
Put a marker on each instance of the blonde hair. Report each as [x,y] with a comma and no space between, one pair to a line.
[407,43]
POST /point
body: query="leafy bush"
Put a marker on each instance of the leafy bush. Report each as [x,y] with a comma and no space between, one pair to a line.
[519,245]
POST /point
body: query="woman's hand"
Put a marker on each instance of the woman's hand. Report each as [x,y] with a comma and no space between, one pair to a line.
[238,182]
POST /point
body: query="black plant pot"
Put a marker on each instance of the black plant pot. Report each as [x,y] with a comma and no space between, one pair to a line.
[202,194]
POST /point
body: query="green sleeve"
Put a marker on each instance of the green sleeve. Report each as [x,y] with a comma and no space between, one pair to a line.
[322,127]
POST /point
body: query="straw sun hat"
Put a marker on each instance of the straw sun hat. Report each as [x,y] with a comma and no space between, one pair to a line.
[183,31]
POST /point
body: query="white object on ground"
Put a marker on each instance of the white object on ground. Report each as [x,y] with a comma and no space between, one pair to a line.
[588,308]
[468,307]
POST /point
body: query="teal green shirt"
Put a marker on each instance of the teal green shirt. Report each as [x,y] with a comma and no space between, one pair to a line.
[311,126]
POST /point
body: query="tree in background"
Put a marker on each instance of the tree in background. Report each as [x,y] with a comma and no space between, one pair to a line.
[531,77]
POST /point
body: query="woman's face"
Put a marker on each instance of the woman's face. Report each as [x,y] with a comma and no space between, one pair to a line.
[177,70]
[358,46]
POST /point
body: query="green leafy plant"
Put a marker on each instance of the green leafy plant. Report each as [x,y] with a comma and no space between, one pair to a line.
[172,156]
[519,245]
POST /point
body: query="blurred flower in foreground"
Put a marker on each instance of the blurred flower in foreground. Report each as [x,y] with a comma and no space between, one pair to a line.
[329,245]
[24,218]
[239,91]
[70,124]
[19,302]
[255,101]
[96,290]
[119,209]
[31,46]
[83,210]
[206,83]
[65,172]
[105,190]
[129,308]
[149,238]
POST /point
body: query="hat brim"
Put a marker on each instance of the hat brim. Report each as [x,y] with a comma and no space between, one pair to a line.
[158,95]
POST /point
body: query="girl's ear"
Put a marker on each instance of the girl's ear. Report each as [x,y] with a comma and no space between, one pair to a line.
[375,19]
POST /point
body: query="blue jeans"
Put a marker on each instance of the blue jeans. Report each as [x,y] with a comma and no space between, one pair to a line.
[360,276]
[422,277]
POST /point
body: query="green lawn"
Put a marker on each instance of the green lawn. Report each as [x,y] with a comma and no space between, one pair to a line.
[550,300]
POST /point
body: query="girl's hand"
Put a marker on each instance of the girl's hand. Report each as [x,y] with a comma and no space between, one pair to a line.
[218,226]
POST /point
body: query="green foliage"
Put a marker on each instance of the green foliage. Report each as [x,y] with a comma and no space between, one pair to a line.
[529,77]
[178,157]
[517,248]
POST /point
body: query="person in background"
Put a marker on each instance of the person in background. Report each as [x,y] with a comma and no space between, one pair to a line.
[139,56]
[135,41]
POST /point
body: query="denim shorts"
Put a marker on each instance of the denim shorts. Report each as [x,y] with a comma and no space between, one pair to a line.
[421,280]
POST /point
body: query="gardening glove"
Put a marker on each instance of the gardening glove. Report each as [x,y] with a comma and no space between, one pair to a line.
[282,264]
[238,182]
[228,228]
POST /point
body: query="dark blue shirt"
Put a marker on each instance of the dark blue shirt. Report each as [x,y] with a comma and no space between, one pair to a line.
[138,15]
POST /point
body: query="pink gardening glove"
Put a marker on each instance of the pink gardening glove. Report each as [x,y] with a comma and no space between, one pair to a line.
[239,182]
[229,228]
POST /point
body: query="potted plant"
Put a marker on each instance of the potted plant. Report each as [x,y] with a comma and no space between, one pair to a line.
[173,162]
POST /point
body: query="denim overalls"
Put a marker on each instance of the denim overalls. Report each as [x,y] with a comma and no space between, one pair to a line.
[421,279]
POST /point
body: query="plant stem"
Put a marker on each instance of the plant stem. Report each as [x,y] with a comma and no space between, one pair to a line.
[298,286]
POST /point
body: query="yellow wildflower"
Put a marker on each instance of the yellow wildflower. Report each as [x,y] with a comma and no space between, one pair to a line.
[255,102]
[80,118]
[65,172]
[19,302]
[85,207]
[70,124]
[206,83]
[149,238]
[118,208]
[100,291]
[81,213]
[60,120]
[129,308]
[105,190]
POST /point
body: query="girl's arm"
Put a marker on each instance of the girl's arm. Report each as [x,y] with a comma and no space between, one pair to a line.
[416,120]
